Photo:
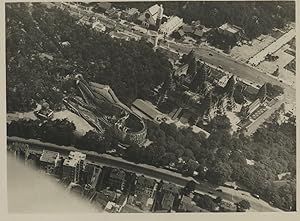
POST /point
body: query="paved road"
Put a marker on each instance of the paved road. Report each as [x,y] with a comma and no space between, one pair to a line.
[239,69]
[210,56]
[259,57]
[151,171]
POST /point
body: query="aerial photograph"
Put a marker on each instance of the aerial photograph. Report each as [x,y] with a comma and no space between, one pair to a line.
[151,107]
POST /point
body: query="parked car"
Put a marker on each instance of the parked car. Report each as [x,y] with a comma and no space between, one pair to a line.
[210,54]
[219,190]
[220,67]
[255,195]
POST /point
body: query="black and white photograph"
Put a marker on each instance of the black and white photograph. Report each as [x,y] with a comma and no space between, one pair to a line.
[150,106]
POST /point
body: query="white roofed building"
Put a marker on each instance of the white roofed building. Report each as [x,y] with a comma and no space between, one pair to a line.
[73,166]
[151,18]
[49,160]
[173,24]
[230,30]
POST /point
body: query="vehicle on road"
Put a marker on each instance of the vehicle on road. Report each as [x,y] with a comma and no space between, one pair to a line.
[210,192]
[220,67]
[219,190]
[255,195]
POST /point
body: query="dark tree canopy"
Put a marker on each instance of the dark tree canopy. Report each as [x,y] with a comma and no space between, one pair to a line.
[37,58]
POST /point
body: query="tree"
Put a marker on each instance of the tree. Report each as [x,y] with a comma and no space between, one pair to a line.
[219,173]
[189,187]
[243,205]
[43,30]
[220,122]
[134,154]
[262,93]
[205,201]
[189,167]
[230,85]
[218,200]
[94,141]
[192,68]
[168,158]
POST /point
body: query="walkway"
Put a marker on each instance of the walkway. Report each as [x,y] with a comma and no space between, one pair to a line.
[255,60]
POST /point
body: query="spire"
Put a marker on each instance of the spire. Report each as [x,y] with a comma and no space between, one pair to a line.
[262,93]
[159,16]
[192,68]
[230,85]
[198,81]
[207,106]
[190,56]
[203,74]
[207,101]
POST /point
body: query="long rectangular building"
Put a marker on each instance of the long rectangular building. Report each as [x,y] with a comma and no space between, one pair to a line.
[173,24]
[73,166]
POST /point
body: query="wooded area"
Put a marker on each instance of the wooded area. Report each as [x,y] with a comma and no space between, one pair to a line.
[272,147]
[255,17]
[38,61]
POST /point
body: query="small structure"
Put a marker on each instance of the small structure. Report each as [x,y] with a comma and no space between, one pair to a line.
[102,197]
[92,174]
[103,6]
[144,192]
[147,111]
[151,18]
[169,193]
[173,24]
[247,110]
[226,206]
[187,29]
[260,96]
[45,113]
[187,205]
[130,14]
[49,161]
[116,179]
[250,92]
[73,166]
[232,31]
[145,186]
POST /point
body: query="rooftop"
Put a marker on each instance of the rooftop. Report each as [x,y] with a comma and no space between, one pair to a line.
[70,162]
[198,32]
[230,28]
[154,9]
[117,174]
[187,204]
[170,187]
[132,11]
[77,155]
[49,156]
[74,158]
[228,205]
[143,181]
[146,108]
[167,201]
[106,195]
[104,5]
[187,29]
[251,90]
[173,22]
[254,104]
